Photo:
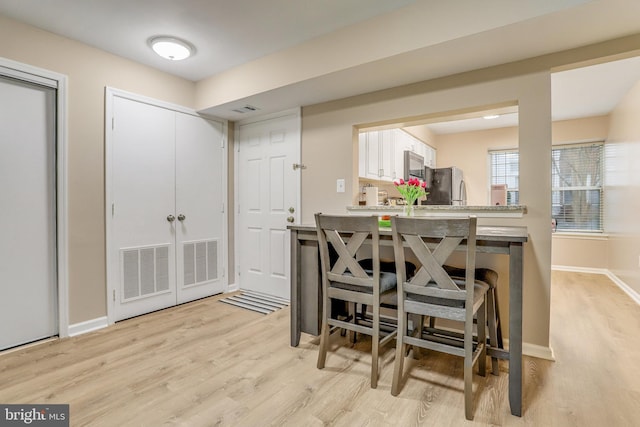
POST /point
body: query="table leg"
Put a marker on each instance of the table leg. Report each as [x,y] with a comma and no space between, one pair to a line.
[295,288]
[515,328]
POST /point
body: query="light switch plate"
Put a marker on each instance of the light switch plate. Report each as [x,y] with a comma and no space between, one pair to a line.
[340,185]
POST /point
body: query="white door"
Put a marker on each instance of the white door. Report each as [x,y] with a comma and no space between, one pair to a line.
[268,198]
[28,244]
[143,198]
[200,190]
[168,185]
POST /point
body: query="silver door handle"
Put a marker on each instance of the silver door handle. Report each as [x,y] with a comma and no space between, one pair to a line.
[181,217]
[171,218]
[290,219]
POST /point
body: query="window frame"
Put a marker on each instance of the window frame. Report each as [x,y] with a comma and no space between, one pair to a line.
[512,199]
[582,188]
[599,188]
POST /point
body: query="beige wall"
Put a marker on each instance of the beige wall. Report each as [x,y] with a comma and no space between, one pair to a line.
[622,189]
[582,251]
[89,70]
[468,151]
[328,139]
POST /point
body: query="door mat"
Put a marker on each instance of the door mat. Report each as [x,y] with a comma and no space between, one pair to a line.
[255,301]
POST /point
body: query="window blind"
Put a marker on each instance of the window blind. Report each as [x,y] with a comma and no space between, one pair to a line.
[505,169]
[576,181]
[577,187]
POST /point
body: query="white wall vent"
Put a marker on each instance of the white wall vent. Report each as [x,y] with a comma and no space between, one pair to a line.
[200,262]
[246,109]
[145,271]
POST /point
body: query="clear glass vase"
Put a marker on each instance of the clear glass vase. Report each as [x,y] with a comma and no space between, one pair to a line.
[408,209]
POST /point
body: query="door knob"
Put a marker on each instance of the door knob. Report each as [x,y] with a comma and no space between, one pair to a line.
[181,217]
[290,219]
[292,209]
[171,218]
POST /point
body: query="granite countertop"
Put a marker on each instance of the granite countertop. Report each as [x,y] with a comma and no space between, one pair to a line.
[513,211]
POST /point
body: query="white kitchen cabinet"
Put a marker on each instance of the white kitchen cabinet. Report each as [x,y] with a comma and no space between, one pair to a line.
[381,153]
[387,154]
[429,156]
[402,143]
[376,156]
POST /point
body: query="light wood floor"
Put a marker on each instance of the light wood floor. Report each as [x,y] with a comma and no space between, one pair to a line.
[207,363]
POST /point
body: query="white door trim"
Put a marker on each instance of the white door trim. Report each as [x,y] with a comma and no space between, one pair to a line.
[236,178]
[58,81]
[110,93]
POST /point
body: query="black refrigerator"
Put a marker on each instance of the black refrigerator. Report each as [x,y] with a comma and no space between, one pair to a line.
[445,186]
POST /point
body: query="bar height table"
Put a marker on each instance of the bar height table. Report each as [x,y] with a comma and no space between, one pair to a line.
[306,301]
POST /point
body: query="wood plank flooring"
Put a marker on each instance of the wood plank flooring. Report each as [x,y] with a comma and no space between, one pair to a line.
[207,364]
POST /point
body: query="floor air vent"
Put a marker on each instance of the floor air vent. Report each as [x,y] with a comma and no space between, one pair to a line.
[255,301]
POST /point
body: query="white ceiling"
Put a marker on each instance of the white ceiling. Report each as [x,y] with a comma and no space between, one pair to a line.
[226,33]
[451,37]
[581,92]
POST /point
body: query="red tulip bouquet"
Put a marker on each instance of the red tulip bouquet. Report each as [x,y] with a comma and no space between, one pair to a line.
[411,190]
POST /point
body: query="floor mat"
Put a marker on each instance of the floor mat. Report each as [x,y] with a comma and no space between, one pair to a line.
[255,301]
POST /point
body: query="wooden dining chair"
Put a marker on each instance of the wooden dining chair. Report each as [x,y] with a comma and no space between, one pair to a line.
[433,292]
[344,279]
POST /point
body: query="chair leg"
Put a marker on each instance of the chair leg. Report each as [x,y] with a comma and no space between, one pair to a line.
[418,325]
[324,344]
[399,360]
[324,332]
[353,311]
[468,368]
[482,338]
[375,345]
[496,308]
[492,316]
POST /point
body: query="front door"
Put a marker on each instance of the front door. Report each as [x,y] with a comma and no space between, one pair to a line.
[268,193]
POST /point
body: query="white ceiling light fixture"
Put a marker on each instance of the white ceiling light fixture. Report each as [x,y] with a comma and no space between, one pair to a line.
[171,48]
[491,116]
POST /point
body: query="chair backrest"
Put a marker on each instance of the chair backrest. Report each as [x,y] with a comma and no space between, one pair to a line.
[432,240]
[346,235]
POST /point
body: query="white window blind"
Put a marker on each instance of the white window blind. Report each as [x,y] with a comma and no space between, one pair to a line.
[505,170]
[577,190]
[576,181]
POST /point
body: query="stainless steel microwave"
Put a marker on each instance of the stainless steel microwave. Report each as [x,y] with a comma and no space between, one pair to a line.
[413,165]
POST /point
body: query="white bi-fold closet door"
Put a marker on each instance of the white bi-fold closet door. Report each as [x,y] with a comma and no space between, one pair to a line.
[166,214]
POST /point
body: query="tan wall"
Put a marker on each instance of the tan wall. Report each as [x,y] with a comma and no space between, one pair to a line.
[468,151]
[329,149]
[580,251]
[622,189]
[89,70]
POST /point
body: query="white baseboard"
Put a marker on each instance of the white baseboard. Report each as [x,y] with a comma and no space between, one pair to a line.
[232,287]
[538,351]
[625,288]
[88,326]
[580,269]
[535,350]
[633,294]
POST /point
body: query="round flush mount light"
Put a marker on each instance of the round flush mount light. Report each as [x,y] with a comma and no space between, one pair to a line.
[171,48]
